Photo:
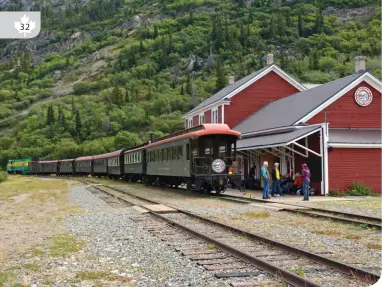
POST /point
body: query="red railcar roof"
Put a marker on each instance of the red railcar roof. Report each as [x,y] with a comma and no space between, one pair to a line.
[134,150]
[110,154]
[83,158]
[66,160]
[48,161]
[208,129]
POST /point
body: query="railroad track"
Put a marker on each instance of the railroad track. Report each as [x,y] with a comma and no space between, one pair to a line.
[348,218]
[367,221]
[233,253]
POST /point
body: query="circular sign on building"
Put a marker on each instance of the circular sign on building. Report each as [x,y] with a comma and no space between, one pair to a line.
[363,96]
[218,166]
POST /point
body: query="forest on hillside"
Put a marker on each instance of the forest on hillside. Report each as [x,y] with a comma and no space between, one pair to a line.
[142,64]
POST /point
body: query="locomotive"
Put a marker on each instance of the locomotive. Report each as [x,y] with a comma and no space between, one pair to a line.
[203,158]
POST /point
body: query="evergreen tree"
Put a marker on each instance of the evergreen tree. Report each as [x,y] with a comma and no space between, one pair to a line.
[319,23]
[300,26]
[314,61]
[280,26]
[149,95]
[141,47]
[78,124]
[26,61]
[272,28]
[61,117]
[73,106]
[50,115]
[127,96]
[221,80]
[188,86]
[116,96]
[182,90]
[156,33]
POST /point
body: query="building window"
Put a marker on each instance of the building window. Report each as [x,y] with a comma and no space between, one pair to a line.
[201,119]
[215,116]
[190,123]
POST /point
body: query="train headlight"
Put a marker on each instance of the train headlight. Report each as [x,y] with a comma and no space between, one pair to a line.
[218,166]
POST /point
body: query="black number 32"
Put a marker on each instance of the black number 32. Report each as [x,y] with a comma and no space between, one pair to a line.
[24,27]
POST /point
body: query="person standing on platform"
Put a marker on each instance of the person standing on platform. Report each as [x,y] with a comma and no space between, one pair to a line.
[305,174]
[264,174]
[276,180]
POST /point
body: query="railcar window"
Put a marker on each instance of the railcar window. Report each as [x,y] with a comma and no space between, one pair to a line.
[174,153]
[188,151]
[156,155]
[208,151]
[195,152]
[180,152]
[169,153]
[165,154]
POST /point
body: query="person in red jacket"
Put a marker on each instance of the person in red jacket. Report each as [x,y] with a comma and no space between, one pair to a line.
[297,183]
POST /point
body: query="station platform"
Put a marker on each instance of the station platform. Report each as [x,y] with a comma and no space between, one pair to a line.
[287,198]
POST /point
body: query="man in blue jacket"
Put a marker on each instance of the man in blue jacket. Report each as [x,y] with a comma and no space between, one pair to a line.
[265,175]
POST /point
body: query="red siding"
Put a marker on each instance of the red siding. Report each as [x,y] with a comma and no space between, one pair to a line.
[207,117]
[355,165]
[195,121]
[220,115]
[269,88]
[345,112]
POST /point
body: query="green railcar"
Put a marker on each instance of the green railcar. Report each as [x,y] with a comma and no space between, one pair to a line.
[18,166]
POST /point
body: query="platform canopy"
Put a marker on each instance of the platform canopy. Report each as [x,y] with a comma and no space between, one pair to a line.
[283,137]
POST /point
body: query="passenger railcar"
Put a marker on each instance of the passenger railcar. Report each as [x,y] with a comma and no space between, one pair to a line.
[203,157]
[48,167]
[83,165]
[33,167]
[135,164]
[65,167]
[100,165]
[115,167]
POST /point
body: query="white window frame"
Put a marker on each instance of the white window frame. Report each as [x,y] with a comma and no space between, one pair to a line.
[201,116]
[215,115]
[190,123]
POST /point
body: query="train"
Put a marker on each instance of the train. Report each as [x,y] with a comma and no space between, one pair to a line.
[202,158]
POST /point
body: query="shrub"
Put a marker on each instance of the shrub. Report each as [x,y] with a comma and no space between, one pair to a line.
[359,189]
[3,176]
[356,189]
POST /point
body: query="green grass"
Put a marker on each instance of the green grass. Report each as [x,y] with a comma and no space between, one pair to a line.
[255,214]
[211,246]
[329,232]
[5,277]
[88,275]
[64,244]
[375,246]
[299,271]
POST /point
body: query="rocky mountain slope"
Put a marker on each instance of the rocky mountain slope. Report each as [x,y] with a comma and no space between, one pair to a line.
[102,73]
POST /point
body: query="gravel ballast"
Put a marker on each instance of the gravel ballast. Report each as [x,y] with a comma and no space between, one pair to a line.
[119,241]
[350,244]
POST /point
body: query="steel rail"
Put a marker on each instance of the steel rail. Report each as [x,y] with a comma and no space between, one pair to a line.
[278,272]
[377,221]
[339,266]
[274,270]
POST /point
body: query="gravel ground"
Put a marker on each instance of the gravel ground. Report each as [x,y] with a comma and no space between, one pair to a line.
[116,240]
[347,243]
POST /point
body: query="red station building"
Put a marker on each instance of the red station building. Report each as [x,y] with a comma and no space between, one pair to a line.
[335,128]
